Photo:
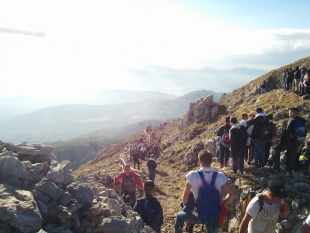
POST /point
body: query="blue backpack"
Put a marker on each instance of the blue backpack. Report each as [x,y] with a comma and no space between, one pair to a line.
[208,202]
[299,132]
[153,213]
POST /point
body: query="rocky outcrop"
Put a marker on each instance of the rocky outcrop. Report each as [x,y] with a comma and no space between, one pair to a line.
[38,194]
[203,110]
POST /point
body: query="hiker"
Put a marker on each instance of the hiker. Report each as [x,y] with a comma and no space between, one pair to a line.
[129,181]
[224,146]
[306,226]
[297,78]
[244,122]
[238,144]
[195,179]
[265,219]
[274,134]
[301,83]
[151,164]
[136,159]
[294,132]
[157,151]
[306,82]
[259,123]
[289,79]
[263,87]
[149,208]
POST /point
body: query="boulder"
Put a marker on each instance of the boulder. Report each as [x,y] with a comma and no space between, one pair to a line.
[49,188]
[11,167]
[19,209]
[81,193]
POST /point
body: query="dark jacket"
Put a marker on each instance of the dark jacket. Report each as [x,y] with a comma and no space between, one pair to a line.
[139,208]
[222,128]
[151,164]
[258,122]
[238,136]
[289,129]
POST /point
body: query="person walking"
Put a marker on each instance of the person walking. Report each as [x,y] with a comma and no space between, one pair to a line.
[152,165]
[238,144]
[128,186]
[224,148]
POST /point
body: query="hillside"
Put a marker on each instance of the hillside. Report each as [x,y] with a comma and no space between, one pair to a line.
[176,148]
[65,122]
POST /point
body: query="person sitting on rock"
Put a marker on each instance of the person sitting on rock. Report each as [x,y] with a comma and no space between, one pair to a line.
[129,181]
[149,207]
[194,183]
[265,219]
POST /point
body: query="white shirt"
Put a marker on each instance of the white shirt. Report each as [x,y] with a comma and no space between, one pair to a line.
[308,220]
[264,221]
[194,179]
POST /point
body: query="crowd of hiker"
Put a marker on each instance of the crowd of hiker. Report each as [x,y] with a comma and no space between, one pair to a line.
[296,79]
[250,141]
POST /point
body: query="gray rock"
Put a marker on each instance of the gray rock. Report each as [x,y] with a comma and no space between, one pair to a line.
[14,182]
[33,176]
[93,210]
[114,205]
[37,166]
[40,196]
[43,208]
[115,224]
[19,209]
[55,174]
[11,167]
[65,165]
[34,149]
[64,199]
[49,188]
[60,214]
[297,176]
[81,193]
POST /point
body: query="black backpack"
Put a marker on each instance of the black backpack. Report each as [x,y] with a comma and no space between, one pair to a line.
[153,213]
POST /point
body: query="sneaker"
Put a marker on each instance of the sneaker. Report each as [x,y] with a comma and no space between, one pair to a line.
[287,174]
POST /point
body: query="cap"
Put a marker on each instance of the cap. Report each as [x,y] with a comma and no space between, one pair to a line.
[277,189]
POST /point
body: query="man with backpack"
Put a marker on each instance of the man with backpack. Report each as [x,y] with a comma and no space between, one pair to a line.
[238,144]
[263,217]
[149,208]
[294,132]
[223,132]
[129,181]
[260,134]
[204,186]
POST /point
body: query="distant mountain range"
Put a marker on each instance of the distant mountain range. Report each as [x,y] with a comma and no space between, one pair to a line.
[66,122]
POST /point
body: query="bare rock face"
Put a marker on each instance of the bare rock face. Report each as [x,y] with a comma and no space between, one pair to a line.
[203,110]
[19,209]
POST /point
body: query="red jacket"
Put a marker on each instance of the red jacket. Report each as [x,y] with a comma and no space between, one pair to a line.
[136,178]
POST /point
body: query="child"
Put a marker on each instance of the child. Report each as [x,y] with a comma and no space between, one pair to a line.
[149,208]
[306,147]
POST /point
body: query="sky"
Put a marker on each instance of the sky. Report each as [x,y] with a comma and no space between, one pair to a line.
[93,45]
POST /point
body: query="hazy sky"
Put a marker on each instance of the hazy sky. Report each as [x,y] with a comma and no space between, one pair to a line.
[91,45]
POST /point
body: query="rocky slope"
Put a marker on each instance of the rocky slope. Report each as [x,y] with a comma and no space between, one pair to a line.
[180,149]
